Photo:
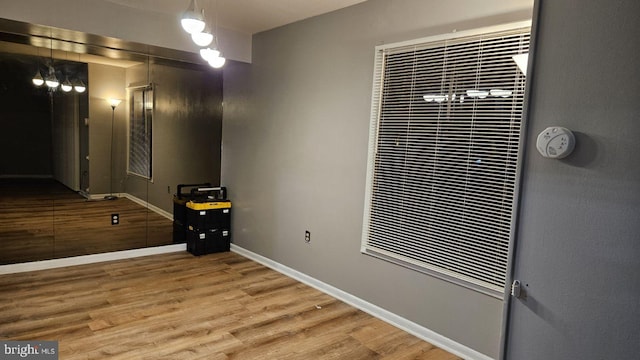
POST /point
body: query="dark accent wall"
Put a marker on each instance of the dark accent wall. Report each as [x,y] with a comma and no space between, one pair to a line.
[25,119]
[187,129]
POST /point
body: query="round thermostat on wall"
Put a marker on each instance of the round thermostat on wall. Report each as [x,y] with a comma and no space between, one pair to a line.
[555,142]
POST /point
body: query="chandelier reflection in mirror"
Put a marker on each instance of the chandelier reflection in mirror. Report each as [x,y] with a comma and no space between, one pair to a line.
[52,82]
[521,62]
[51,79]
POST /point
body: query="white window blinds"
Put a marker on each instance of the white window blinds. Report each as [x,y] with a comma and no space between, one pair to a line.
[140,132]
[444,143]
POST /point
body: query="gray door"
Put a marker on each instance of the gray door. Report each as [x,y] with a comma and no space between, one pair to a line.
[577,247]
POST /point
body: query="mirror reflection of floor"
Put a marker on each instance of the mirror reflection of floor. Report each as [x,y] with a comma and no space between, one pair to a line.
[42,219]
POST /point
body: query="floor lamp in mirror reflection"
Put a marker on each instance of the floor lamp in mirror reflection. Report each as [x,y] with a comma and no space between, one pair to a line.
[114,103]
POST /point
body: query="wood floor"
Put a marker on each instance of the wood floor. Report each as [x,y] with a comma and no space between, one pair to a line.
[44,220]
[177,306]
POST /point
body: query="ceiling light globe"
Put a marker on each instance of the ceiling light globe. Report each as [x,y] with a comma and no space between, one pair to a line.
[38,80]
[80,87]
[66,86]
[209,54]
[217,62]
[52,82]
[192,20]
[202,38]
[192,25]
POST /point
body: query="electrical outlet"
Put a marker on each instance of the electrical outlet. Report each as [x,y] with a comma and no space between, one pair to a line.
[169,189]
[307,236]
[115,219]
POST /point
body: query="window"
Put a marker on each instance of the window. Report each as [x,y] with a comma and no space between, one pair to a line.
[443,154]
[140,122]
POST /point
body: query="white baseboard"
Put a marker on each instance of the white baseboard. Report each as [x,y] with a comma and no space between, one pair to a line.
[25,177]
[102,196]
[374,310]
[151,207]
[89,259]
[136,200]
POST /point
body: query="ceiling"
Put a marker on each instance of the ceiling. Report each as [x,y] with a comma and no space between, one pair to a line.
[245,16]
[23,49]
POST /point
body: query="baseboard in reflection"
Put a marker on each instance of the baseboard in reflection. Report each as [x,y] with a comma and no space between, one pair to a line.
[89,259]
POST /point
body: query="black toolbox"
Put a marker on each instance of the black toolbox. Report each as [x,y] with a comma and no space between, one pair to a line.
[208,221]
[208,241]
[208,215]
[180,210]
[180,200]
[184,194]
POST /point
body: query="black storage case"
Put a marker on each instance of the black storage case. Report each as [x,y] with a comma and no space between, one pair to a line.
[196,192]
[204,219]
[180,199]
[210,215]
[208,241]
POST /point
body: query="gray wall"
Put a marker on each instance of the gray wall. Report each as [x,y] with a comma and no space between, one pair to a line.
[66,145]
[106,82]
[295,152]
[578,243]
[65,118]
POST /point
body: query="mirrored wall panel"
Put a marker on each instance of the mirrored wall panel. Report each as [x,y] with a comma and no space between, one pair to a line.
[96,135]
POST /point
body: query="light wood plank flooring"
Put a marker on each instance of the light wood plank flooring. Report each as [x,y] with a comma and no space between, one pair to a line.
[44,220]
[177,306]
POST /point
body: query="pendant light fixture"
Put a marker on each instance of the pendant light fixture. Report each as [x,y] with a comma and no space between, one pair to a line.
[193,20]
[51,80]
[38,80]
[203,38]
[217,62]
[66,85]
[80,87]
[208,54]
[213,56]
